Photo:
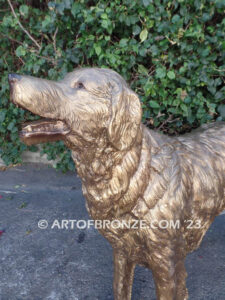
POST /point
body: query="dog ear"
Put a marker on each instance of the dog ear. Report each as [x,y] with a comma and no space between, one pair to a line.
[126,114]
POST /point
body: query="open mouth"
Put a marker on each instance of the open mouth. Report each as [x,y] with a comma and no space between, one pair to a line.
[40,131]
[43,130]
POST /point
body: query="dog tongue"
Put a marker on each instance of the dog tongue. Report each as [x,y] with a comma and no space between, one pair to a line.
[44,130]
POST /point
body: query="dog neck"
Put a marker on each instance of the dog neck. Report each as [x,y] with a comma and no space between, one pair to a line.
[106,173]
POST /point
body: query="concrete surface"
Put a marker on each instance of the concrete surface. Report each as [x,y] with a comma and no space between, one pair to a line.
[66,264]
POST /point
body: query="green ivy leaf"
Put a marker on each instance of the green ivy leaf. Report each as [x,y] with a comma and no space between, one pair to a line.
[221,110]
[20,51]
[143,35]
[24,10]
[11,126]
[123,42]
[171,75]
[104,16]
[98,49]
[146,2]
[142,70]
[154,104]
[136,30]
[160,73]
[175,18]
[2,116]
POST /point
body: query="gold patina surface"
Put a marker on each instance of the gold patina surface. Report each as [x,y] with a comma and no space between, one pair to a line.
[130,173]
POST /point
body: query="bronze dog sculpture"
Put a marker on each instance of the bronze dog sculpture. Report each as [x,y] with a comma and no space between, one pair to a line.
[175,185]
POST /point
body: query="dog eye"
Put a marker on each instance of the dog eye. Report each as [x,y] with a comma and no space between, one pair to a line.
[79,85]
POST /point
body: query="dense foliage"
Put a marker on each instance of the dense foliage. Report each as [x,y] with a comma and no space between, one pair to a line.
[171,52]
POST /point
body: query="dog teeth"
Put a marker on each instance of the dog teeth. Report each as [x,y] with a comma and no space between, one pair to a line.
[29,129]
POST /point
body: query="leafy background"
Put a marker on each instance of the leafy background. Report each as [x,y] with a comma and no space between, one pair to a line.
[171,52]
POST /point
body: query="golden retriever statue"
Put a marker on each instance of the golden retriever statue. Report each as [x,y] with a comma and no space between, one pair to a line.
[170,188]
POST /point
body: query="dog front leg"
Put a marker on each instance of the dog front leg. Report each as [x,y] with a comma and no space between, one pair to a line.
[170,286]
[123,277]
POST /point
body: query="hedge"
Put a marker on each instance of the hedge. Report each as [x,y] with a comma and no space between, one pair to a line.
[171,52]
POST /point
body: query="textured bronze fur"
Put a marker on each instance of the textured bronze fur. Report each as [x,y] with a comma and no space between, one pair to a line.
[131,173]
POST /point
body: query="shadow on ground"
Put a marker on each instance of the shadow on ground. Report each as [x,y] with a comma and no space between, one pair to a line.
[54,264]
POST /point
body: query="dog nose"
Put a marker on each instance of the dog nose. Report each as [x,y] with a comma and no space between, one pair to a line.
[14,78]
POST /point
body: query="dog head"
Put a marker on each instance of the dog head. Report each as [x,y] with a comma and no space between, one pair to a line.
[86,103]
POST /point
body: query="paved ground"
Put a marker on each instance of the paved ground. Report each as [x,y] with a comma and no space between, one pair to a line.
[53,264]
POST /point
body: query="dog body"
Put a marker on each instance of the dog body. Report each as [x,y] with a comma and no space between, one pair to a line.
[167,189]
